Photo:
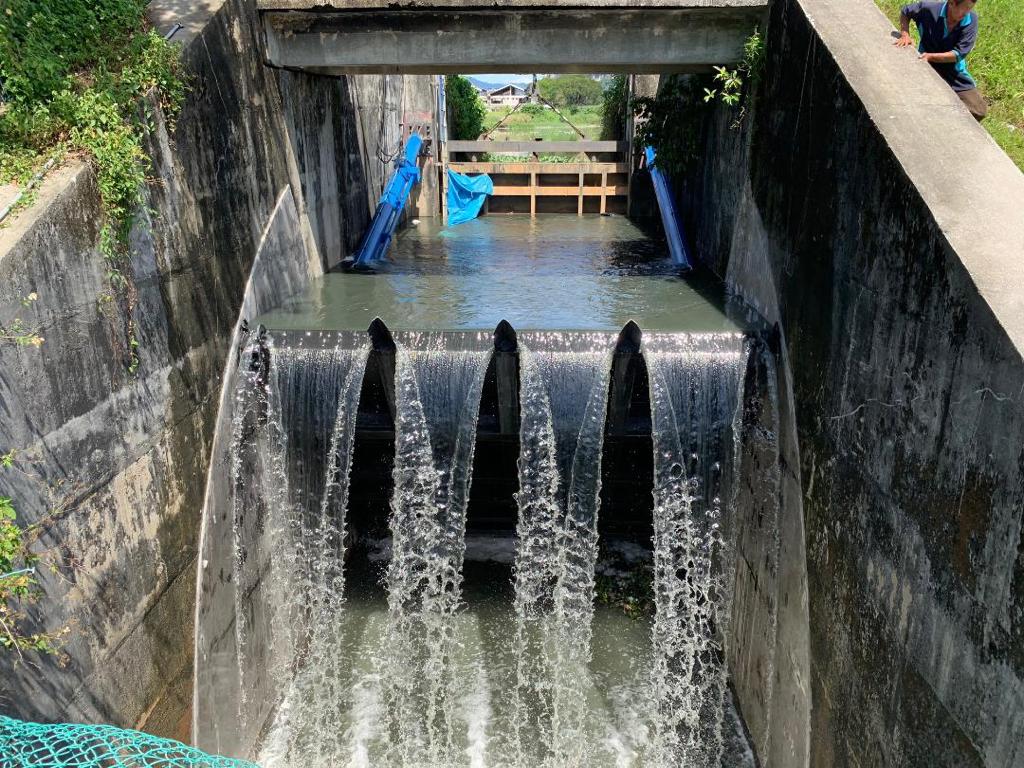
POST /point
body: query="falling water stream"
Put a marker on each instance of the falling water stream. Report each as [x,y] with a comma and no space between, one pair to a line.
[293,428]
[563,404]
[414,651]
[694,396]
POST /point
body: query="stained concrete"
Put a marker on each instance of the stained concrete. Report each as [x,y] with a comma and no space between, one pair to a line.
[258,161]
[500,5]
[192,15]
[563,37]
[860,208]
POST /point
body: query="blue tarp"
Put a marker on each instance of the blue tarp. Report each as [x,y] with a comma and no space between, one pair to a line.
[466,195]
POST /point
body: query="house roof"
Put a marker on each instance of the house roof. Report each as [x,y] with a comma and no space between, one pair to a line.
[511,88]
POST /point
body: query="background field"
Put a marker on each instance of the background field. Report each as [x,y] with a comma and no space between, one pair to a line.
[545,124]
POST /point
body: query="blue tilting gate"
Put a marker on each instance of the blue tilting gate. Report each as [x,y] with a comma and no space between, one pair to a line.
[389,210]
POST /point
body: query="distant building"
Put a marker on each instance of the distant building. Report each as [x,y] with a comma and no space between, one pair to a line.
[510,95]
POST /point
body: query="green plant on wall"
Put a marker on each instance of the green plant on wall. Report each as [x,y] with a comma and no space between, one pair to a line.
[731,84]
[74,76]
[669,122]
[615,106]
[18,332]
[19,586]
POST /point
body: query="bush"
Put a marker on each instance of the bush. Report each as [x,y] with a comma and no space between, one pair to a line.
[466,110]
[19,588]
[669,122]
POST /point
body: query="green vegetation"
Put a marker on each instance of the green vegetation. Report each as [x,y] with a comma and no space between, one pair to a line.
[465,109]
[669,121]
[18,332]
[570,90]
[997,64]
[537,122]
[615,105]
[624,584]
[74,75]
[19,587]
[731,84]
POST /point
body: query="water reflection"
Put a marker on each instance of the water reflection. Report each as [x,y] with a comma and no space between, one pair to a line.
[551,272]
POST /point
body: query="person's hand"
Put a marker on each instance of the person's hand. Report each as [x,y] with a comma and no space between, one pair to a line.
[925,57]
[904,40]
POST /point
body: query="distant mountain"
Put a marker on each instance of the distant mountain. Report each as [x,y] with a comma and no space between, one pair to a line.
[488,85]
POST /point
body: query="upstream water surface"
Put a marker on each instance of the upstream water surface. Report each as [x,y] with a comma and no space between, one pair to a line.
[550,272]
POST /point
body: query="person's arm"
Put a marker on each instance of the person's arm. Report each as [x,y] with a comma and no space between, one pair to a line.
[907,14]
[948,57]
[963,47]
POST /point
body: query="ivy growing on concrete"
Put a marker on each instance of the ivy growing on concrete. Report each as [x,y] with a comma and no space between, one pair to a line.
[19,585]
[74,77]
[670,121]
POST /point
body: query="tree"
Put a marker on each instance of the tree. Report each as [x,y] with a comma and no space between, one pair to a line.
[570,90]
[616,105]
[466,110]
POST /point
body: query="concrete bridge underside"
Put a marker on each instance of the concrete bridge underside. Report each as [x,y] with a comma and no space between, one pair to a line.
[449,36]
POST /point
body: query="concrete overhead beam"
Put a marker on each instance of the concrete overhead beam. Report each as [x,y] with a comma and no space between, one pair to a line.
[595,37]
[499,5]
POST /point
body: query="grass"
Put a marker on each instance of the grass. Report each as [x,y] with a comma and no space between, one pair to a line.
[997,64]
[545,124]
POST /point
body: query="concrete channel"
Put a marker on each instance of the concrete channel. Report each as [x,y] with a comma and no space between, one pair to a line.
[877,588]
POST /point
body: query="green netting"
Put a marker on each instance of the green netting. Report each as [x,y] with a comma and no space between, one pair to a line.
[34,745]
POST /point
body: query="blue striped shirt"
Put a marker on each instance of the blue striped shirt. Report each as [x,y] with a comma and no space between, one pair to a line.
[937,37]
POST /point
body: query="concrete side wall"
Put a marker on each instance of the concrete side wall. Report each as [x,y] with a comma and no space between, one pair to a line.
[259,161]
[860,208]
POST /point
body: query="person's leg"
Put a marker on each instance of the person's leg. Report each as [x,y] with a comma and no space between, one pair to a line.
[975,102]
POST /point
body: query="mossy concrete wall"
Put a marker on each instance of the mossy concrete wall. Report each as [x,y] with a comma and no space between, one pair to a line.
[860,208]
[259,161]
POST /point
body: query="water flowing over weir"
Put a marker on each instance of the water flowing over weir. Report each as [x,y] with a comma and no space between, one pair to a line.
[564,400]
[291,448]
[437,397]
[694,394]
[410,664]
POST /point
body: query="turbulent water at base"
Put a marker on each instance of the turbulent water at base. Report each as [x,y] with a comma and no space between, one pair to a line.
[407,661]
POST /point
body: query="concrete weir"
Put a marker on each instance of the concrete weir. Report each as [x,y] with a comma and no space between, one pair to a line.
[871,228]
[596,36]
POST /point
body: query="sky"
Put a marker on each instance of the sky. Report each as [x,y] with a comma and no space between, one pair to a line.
[504,77]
